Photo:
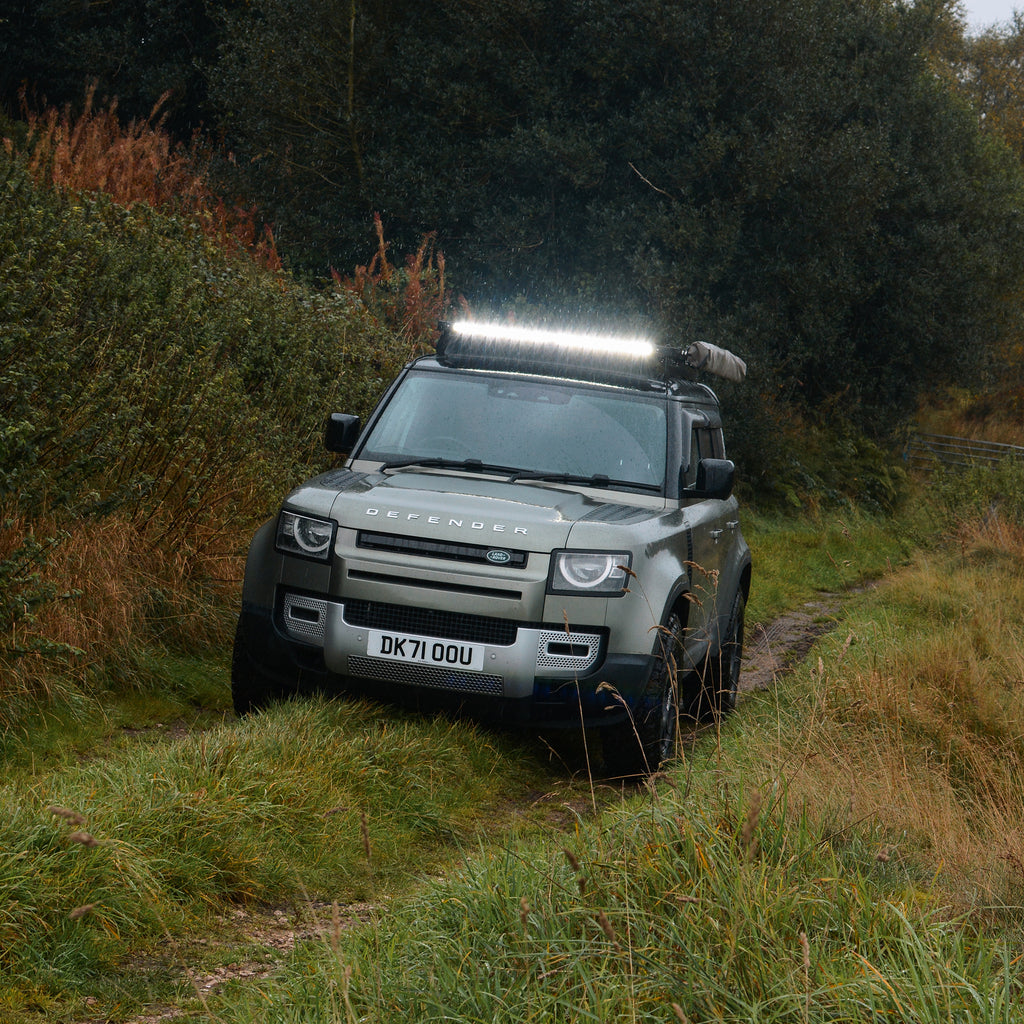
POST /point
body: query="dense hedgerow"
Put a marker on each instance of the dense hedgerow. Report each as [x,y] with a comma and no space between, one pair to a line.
[139,356]
[154,380]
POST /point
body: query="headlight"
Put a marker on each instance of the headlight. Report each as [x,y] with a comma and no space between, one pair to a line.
[305,536]
[601,573]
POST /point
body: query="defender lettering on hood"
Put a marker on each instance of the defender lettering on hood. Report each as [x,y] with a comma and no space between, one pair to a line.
[460,524]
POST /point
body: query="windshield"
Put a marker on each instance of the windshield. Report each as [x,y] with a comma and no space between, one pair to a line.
[531,426]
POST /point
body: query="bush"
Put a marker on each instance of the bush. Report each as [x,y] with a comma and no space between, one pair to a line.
[156,381]
[785,462]
[981,494]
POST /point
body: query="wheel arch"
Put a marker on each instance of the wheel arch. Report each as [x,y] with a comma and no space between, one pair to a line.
[745,574]
[678,601]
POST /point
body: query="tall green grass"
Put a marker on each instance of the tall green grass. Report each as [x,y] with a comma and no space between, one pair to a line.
[847,847]
[116,853]
[719,908]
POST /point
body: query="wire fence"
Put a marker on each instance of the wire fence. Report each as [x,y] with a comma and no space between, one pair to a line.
[929,451]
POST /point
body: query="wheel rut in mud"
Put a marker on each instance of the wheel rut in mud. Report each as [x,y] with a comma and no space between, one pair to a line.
[778,647]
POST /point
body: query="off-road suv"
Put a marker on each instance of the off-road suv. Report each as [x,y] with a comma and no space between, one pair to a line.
[540,528]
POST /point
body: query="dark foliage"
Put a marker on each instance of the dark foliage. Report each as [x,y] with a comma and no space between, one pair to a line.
[789,178]
[793,179]
[135,50]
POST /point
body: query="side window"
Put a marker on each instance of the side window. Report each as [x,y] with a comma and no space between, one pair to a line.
[718,443]
[705,443]
[708,443]
[700,448]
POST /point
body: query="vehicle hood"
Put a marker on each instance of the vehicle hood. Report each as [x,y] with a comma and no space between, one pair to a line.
[459,508]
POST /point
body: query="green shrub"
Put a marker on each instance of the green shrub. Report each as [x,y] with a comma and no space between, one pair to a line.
[788,463]
[156,381]
[981,493]
[144,366]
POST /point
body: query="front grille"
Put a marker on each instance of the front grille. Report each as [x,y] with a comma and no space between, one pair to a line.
[475,553]
[453,588]
[423,675]
[479,629]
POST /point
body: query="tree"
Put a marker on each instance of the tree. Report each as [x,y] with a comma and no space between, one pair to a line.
[794,178]
[790,177]
[989,71]
[838,210]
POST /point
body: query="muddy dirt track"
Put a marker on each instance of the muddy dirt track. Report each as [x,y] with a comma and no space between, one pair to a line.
[776,648]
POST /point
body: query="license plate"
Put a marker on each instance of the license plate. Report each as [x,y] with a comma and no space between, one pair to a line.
[425,650]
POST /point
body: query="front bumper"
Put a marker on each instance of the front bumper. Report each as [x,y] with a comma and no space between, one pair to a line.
[532,673]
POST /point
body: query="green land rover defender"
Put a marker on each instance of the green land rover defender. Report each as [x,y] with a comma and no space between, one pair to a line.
[537,527]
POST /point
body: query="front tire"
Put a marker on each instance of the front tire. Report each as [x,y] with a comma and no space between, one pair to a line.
[650,737]
[251,690]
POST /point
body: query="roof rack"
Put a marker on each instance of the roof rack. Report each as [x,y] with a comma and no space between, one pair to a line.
[598,357]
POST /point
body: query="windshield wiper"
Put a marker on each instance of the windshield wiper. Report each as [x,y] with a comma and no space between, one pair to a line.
[514,474]
[596,480]
[431,462]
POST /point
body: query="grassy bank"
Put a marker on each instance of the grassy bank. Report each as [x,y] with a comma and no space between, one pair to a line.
[110,856]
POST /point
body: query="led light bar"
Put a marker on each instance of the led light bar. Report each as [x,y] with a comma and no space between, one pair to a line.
[593,344]
[606,358]
[602,358]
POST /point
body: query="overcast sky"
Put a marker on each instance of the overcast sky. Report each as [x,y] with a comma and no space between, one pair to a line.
[981,14]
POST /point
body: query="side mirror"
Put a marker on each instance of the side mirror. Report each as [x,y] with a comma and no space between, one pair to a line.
[341,433]
[715,478]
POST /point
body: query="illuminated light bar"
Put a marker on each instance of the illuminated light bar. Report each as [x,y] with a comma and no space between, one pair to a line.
[603,358]
[593,344]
